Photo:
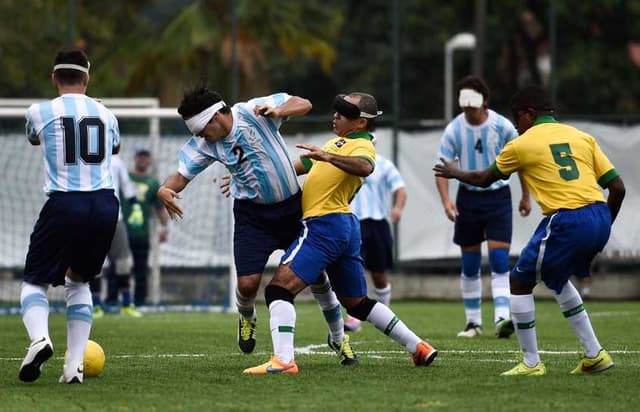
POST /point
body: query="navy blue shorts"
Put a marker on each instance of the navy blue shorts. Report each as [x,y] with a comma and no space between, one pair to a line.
[377,245]
[74,230]
[485,215]
[262,229]
[564,244]
[332,243]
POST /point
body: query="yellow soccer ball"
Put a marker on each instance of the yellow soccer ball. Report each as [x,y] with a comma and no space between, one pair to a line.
[94,359]
[93,362]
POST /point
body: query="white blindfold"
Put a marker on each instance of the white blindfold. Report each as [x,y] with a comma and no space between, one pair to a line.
[470,98]
[198,122]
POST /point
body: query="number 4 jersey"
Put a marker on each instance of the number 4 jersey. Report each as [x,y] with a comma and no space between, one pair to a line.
[78,135]
[476,147]
[563,167]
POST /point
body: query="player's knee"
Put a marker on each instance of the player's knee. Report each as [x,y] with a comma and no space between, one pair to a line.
[362,309]
[248,285]
[471,264]
[499,260]
[273,292]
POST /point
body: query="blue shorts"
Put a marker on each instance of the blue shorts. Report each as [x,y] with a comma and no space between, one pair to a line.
[485,215]
[332,243]
[260,230]
[74,230]
[564,244]
[377,245]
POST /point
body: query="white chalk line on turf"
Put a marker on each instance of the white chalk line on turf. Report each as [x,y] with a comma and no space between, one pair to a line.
[376,354]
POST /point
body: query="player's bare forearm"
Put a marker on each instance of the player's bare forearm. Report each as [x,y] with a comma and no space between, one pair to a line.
[175,182]
[481,178]
[294,107]
[299,167]
[442,184]
[617,192]
[358,166]
[169,192]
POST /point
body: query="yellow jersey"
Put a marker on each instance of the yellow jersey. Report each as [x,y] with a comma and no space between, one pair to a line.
[328,189]
[563,167]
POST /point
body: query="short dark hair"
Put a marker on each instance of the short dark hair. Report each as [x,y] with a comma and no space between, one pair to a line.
[474,83]
[198,99]
[68,77]
[367,104]
[532,97]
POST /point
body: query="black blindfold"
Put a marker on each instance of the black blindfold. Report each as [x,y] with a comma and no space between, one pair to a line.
[346,109]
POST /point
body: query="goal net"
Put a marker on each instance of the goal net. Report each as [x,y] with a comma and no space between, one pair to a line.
[191,269]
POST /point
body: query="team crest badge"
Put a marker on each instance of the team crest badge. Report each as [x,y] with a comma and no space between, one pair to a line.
[340,143]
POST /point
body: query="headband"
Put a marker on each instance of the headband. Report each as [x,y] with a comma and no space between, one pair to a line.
[72,67]
[198,122]
[470,98]
[350,110]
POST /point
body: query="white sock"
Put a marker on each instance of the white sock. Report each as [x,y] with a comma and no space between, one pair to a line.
[572,308]
[282,320]
[35,310]
[523,316]
[501,293]
[388,323]
[472,297]
[384,295]
[331,309]
[246,305]
[79,317]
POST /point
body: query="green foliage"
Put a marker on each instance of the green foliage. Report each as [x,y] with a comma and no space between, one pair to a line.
[190,361]
[318,48]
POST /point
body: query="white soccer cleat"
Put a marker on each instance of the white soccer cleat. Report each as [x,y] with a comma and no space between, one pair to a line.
[72,373]
[472,330]
[38,353]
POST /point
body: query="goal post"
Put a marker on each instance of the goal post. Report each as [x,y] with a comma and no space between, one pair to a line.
[199,245]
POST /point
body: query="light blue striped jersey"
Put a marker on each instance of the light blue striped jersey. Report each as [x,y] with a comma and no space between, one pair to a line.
[77,134]
[374,200]
[476,147]
[254,153]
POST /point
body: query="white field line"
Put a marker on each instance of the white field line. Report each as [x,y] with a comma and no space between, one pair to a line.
[314,349]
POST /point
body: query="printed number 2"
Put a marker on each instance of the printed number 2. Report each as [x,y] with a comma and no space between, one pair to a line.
[70,141]
[562,156]
[240,153]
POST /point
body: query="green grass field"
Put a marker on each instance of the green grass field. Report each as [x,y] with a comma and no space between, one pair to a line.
[190,361]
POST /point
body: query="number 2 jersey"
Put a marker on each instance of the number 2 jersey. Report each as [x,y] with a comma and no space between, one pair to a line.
[563,167]
[254,153]
[476,147]
[77,134]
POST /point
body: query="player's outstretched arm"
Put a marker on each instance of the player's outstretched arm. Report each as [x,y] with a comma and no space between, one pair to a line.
[358,166]
[294,107]
[449,170]
[169,192]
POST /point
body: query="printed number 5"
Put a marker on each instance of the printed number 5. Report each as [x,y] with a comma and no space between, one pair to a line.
[562,156]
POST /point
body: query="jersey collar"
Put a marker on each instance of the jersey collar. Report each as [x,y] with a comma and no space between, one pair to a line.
[544,119]
[359,135]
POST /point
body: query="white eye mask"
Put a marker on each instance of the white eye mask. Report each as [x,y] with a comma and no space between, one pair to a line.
[198,122]
[470,98]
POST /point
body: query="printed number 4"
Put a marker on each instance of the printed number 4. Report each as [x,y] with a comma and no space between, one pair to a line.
[478,146]
[562,156]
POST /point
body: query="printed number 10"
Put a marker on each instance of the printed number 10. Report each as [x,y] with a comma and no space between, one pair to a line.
[70,141]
